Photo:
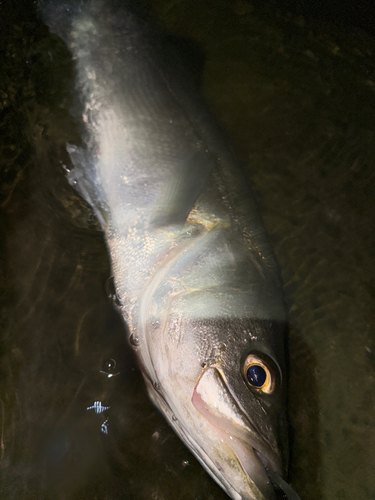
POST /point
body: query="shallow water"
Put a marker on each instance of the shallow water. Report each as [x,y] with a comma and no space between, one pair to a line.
[297,98]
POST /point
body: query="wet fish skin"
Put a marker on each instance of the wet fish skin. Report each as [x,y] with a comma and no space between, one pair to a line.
[198,284]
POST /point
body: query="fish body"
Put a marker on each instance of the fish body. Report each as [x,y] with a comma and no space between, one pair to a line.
[194,272]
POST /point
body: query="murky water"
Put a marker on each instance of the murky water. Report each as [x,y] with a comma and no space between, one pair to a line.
[298,99]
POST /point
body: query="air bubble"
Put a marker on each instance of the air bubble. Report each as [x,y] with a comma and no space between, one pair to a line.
[92,218]
[67,169]
[92,221]
[157,386]
[134,340]
[109,368]
[110,290]
[174,418]
[109,365]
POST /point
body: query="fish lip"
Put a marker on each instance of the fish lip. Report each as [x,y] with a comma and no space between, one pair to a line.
[253,453]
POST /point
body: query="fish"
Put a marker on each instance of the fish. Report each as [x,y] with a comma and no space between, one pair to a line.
[196,280]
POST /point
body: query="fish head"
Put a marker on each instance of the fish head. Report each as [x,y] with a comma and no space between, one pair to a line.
[221,384]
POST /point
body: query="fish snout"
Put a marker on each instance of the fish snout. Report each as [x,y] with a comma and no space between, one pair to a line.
[239,442]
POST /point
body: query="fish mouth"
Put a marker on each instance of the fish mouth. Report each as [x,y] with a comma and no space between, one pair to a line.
[213,400]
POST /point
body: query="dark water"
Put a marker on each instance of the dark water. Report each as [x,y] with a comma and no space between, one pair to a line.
[298,98]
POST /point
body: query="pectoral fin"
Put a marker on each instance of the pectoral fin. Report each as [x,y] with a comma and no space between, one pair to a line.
[179,194]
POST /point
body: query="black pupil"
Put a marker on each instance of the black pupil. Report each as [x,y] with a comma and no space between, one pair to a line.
[256,375]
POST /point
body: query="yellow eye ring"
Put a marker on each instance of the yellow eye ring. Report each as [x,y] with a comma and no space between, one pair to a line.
[258,374]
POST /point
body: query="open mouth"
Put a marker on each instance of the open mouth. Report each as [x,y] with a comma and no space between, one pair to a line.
[212,399]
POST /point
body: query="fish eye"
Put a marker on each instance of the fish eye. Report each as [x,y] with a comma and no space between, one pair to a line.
[258,374]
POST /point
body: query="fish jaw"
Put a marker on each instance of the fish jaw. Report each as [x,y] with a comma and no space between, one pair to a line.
[221,437]
[213,400]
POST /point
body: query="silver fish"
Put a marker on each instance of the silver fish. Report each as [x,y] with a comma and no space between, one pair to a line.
[194,272]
